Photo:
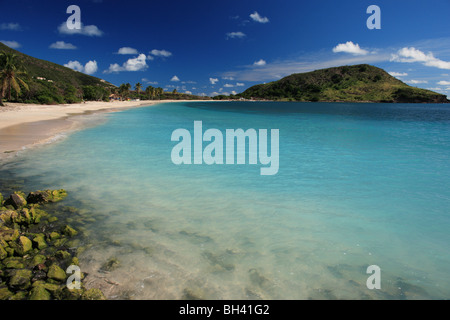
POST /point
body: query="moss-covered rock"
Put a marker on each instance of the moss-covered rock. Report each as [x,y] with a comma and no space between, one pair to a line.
[8,234]
[3,253]
[46,196]
[14,263]
[93,294]
[1,199]
[16,200]
[22,245]
[21,295]
[39,293]
[39,241]
[69,231]
[20,279]
[54,235]
[38,259]
[56,273]
[5,294]
[65,293]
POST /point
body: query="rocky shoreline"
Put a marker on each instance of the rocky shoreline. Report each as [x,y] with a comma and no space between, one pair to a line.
[36,250]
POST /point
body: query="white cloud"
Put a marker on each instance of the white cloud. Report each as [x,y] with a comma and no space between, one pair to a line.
[75,65]
[256,17]
[175,79]
[444,83]
[10,26]
[135,64]
[188,92]
[127,50]
[240,84]
[233,92]
[398,74]
[61,45]
[161,53]
[350,47]
[228,78]
[147,81]
[11,44]
[416,81]
[234,35]
[213,80]
[412,54]
[260,63]
[91,31]
[90,67]
[227,85]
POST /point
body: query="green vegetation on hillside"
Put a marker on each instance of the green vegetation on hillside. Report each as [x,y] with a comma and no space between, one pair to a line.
[356,83]
[50,83]
[31,80]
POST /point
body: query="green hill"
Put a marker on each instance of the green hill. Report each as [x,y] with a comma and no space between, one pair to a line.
[358,83]
[51,83]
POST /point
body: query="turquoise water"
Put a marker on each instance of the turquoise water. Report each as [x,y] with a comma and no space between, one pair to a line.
[358,185]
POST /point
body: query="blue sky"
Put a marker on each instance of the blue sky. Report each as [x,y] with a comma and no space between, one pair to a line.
[221,47]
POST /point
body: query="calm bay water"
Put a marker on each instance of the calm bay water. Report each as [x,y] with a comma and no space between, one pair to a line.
[358,185]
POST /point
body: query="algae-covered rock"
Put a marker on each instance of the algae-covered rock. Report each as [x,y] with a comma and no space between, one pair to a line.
[16,200]
[3,253]
[54,235]
[5,294]
[21,295]
[14,263]
[110,265]
[1,199]
[46,196]
[20,279]
[56,273]
[59,242]
[22,245]
[65,293]
[9,234]
[69,231]
[39,293]
[38,259]
[93,294]
[39,241]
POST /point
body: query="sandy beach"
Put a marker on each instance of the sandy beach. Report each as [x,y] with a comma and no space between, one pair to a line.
[25,125]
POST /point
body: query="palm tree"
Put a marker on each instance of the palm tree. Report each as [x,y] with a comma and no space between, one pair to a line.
[150,91]
[159,91]
[124,90]
[138,88]
[10,75]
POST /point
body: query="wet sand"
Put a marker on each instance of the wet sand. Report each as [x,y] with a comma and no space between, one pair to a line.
[26,125]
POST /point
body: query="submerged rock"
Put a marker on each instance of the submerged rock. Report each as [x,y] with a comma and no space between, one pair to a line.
[69,231]
[46,196]
[93,294]
[110,265]
[20,279]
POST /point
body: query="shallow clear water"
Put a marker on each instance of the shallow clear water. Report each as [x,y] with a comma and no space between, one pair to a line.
[358,185]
